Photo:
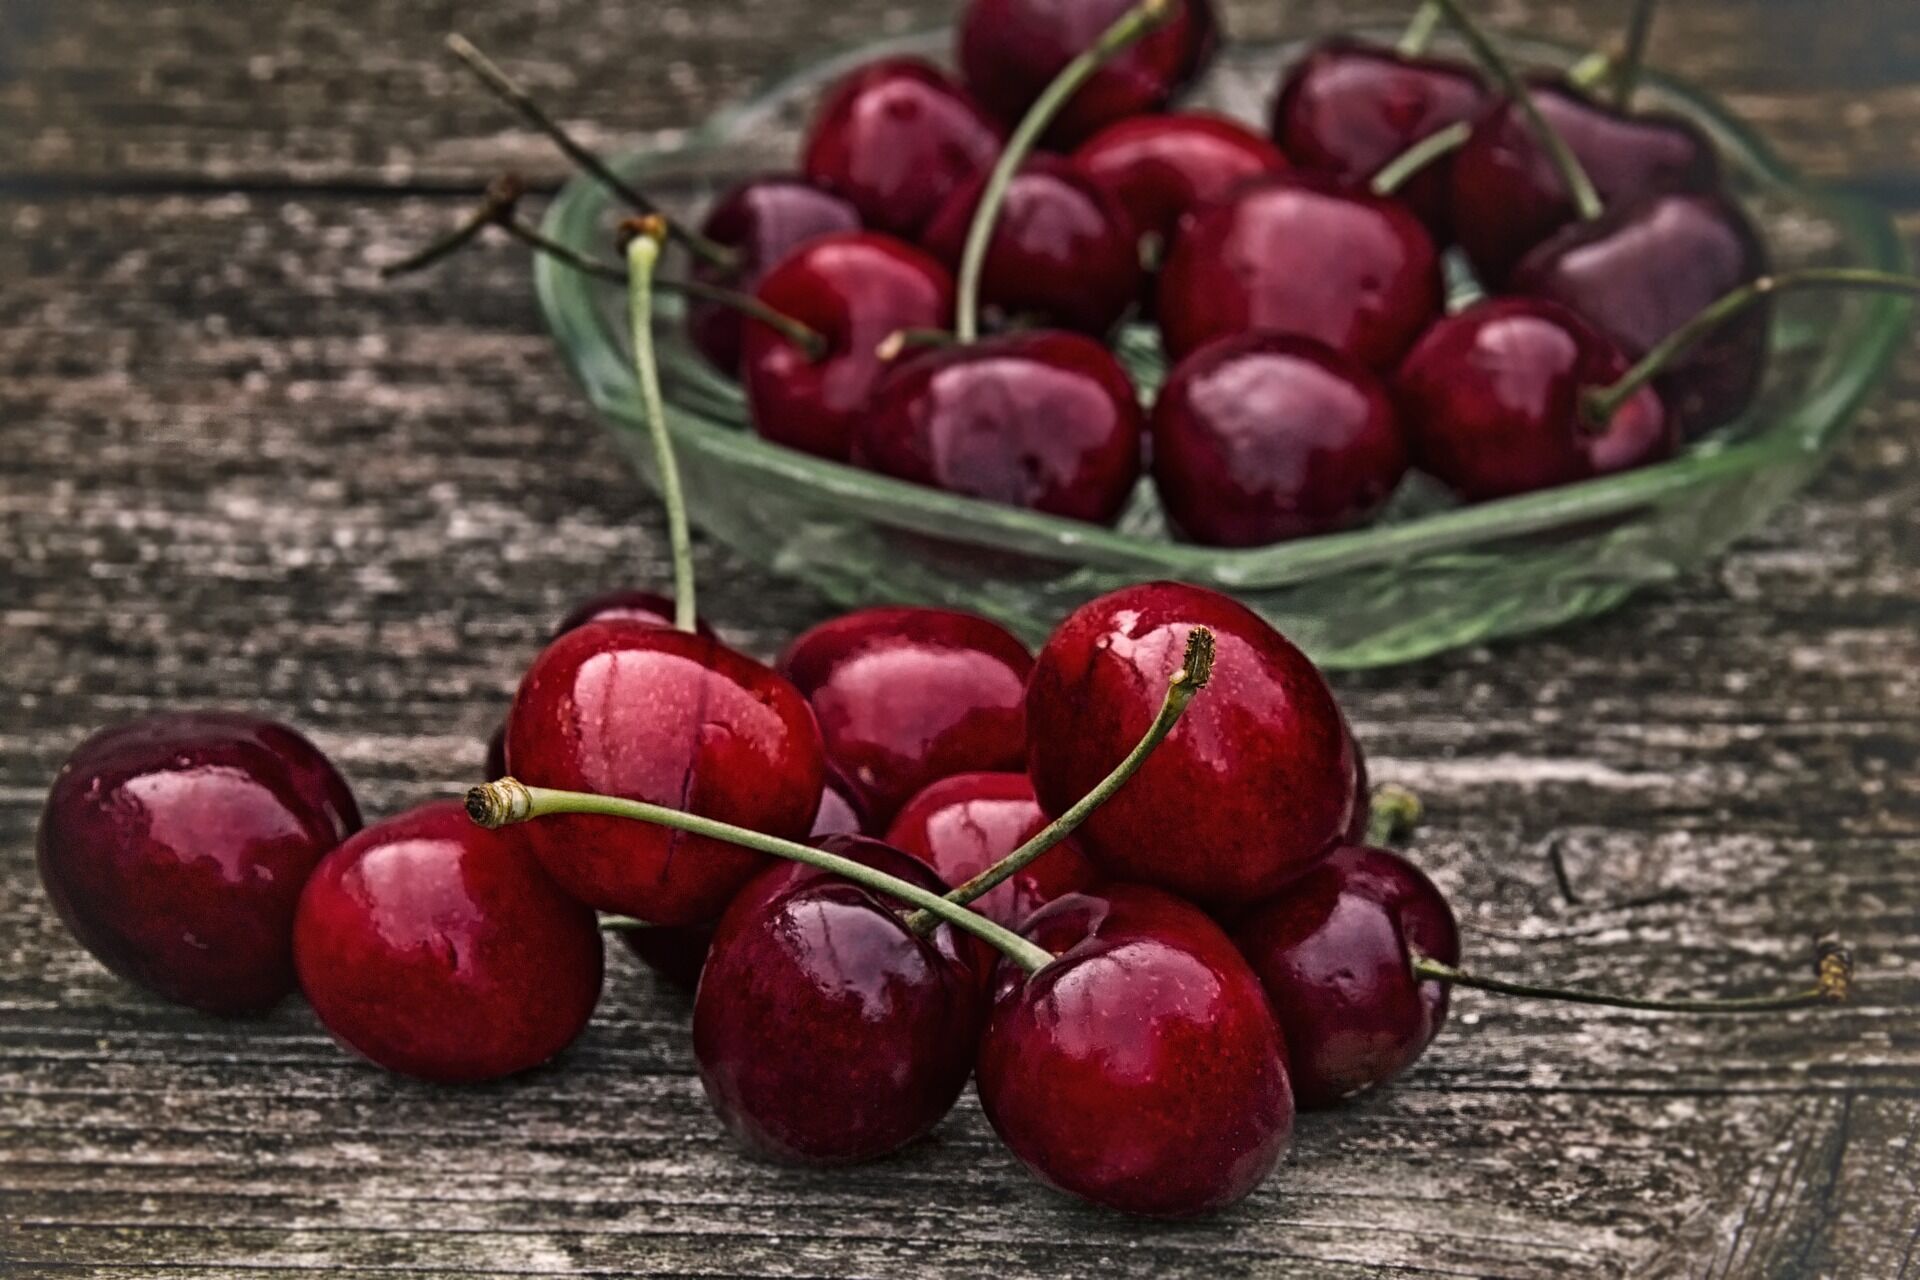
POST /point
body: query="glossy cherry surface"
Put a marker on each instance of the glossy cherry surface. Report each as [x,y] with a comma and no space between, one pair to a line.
[855,290]
[905,696]
[1262,437]
[626,709]
[1300,255]
[625,604]
[438,949]
[1045,420]
[826,1031]
[895,138]
[1142,1069]
[1159,168]
[1252,787]
[962,825]
[1491,398]
[174,848]
[1333,952]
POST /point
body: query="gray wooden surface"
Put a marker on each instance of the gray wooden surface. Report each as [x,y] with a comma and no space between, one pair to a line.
[239,471]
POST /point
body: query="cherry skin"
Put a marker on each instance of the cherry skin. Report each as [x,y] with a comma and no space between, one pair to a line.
[1160,168]
[1333,954]
[855,290]
[1062,251]
[626,604]
[438,949]
[1491,398]
[1252,787]
[1045,420]
[1643,270]
[962,825]
[1300,255]
[626,709]
[174,848]
[905,696]
[826,1031]
[1347,108]
[895,138]
[1142,1069]
[1262,437]
[761,220]
[1010,51]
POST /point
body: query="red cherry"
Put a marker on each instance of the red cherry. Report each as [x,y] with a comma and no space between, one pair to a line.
[1044,420]
[437,949]
[1491,398]
[626,604]
[625,709]
[896,137]
[1142,1069]
[855,290]
[905,696]
[1159,168]
[1299,255]
[174,848]
[1332,952]
[841,812]
[827,1031]
[1259,438]
[1252,787]
[962,825]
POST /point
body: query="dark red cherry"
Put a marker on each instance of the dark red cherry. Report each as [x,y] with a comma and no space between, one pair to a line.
[842,812]
[1063,251]
[1300,255]
[496,761]
[895,138]
[762,220]
[1506,196]
[1142,1069]
[174,848]
[1491,399]
[1159,168]
[626,709]
[962,825]
[905,696]
[1044,420]
[1348,108]
[1333,954]
[855,290]
[438,949]
[1252,787]
[1010,51]
[1643,270]
[826,1031]
[626,604]
[1262,437]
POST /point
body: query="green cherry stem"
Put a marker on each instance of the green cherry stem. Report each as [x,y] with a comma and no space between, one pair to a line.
[1626,69]
[1135,23]
[1833,985]
[1392,815]
[1420,28]
[643,252]
[508,800]
[1394,173]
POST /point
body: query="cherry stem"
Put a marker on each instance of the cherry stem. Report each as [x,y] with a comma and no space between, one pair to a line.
[509,800]
[1394,173]
[643,252]
[1420,28]
[1392,815]
[900,341]
[1135,23]
[1626,70]
[1196,667]
[625,924]
[1585,198]
[501,197]
[1598,405]
[507,90]
[1833,965]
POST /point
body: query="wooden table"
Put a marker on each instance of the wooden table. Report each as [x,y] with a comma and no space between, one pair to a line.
[238,470]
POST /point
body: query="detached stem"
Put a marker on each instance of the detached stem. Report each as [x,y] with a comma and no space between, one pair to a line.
[643,251]
[507,801]
[1626,71]
[1394,173]
[1833,965]
[1419,33]
[503,195]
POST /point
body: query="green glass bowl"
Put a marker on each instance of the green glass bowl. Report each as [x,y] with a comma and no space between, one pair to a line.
[1426,577]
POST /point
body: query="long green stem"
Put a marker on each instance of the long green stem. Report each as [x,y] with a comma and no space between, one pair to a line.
[1419,33]
[1626,70]
[643,251]
[1136,22]
[1833,985]
[508,800]
[1395,172]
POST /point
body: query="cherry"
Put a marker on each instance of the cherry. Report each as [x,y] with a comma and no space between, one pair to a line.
[1492,400]
[826,1031]
[1333,954]
[895,138]
[625,604]
[1299,254]
[437,949]
[1250,789]
[174,848]
[1263,437]
[855,290]
[905,696]
[841,812]
[1044,420]
[1142,1069]
[1063,250]
[962,825]
[1160,168]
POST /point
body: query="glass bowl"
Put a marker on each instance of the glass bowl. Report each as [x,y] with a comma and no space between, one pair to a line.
[1427,576]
